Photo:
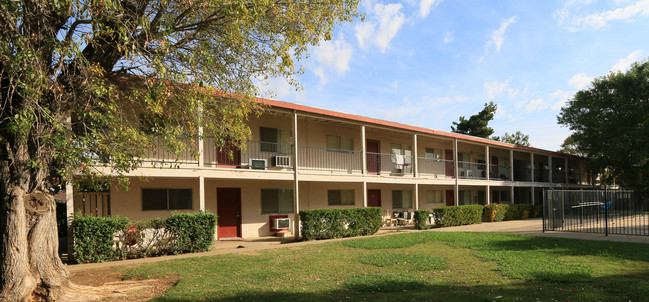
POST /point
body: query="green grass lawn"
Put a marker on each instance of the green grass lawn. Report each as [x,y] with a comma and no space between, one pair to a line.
[423,266]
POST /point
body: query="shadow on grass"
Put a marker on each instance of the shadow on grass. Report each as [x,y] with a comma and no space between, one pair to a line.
[395,288]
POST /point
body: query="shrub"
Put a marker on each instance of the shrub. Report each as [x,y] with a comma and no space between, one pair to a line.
[494,212]
[94,238]
[517,211]
[536,211]
[191,232]
[337,223]
[458,215]
[421,219]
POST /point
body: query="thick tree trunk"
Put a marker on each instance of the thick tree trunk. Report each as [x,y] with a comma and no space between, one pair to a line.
[30,267]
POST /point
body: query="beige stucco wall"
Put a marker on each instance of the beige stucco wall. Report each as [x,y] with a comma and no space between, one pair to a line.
[423,205]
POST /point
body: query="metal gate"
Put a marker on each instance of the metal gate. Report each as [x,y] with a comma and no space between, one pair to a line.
[606,212]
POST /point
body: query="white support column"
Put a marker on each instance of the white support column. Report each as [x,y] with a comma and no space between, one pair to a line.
[488,161]
[364,149]
[201,192]
[456,188]
[511,164]
[414,156]
[69,209]
[488,194]
[533,197]
[512,194]
[550,168]
[365,194]
[416,197]
[296,186]
[201,148]
[532,161]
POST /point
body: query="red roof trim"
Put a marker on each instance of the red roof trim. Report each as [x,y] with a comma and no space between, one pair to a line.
[363,119]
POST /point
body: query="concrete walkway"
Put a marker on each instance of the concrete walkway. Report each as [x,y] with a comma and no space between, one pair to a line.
[527,227]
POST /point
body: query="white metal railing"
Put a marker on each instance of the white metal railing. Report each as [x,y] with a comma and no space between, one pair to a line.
[324,159]
[436,167]
[389,164]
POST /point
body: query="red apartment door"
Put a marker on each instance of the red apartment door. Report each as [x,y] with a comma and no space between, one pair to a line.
[374,159]
[494,167]
[450,198]
[374,198]
[449,164]
[223,157]
[228,210]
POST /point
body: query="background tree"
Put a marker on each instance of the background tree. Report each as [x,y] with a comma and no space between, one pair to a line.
[571,146]
[610,120]
[517,138]
[477,124]
[79,79]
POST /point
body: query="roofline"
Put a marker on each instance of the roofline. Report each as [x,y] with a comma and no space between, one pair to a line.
[369,120]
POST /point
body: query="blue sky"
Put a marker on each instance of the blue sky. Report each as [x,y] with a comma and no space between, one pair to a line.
[427,62]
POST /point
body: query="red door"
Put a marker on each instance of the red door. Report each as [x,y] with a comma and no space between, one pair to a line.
[229,211]
[450,169]
[450,198]
[223,157]
[373,158]
[374,198]
[494,167]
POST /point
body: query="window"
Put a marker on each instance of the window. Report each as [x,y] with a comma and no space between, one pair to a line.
[401,199]
[434,153]
[401,150]
[464,197]
[276,201]
[343,143]
[434,196]
[166,199]
[275,140]
[340,197]
[464,160]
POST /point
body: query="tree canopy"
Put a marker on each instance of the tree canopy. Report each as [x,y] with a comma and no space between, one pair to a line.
[517,138]
[477,124]
[571,146]
[87,83]
[610,120]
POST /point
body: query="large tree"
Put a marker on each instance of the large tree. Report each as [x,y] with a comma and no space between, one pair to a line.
[518,138]
[610,120]
[477,124]
[87,83]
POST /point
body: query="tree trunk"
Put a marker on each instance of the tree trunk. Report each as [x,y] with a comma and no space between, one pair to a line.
[30,267]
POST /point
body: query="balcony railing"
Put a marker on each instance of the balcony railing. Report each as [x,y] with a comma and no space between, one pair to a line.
[471,170]
[559,177]
[541,175]
[333,160]
[497,172]
[258,155]
[389,164]
[439,168]
[159,155]
[522,174]
[576,177]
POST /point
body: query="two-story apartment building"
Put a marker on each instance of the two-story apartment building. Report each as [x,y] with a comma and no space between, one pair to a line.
[308,158]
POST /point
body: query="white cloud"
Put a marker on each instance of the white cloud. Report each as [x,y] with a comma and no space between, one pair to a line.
[625,63]
[383,25]
[579,81]
[425,7]
[495,88]
[569,16]
[332,55]
[497,37]
[448,37]
[320,73]
[560,97]
[535,105]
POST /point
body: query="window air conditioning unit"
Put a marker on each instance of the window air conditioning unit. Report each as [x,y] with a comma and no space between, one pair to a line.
[257,164]
[281,161]
[281,223]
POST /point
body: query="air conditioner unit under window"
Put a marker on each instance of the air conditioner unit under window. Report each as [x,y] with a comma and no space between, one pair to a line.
[281,223]
[281,161]
[257,164]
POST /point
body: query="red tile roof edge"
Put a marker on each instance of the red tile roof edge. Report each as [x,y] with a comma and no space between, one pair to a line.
[369,120]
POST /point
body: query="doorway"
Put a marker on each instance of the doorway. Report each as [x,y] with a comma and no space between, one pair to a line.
[374,198]
[228,210]
[373,156]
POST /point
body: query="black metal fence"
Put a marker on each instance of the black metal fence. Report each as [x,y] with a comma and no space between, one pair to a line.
[596,211]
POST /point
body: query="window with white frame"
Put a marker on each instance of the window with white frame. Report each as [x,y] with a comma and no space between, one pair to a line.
[276,201]
[166,199]
[464,197]
[275,140]
[340,197]
[432,153]
[434,196]
[401,154]
[340,143]
[401,199]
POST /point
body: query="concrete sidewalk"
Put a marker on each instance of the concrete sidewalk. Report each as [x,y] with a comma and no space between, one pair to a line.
[527,227]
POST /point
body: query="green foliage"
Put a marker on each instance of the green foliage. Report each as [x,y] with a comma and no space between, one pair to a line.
[609,124]
[94,237]
[517,211]
[337,223]
[571,146]
[408,261]
[477,124]
[458,215]
[98,239]
[517,138]
[494,212]
[500,212]
[421,219]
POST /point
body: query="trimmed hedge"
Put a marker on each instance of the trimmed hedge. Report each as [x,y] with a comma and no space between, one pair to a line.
[421,219]
[458,215]
[500,212]
[338,223]
[98,239]
[494,212]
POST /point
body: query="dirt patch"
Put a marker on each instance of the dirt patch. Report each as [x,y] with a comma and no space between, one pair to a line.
[108,285]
